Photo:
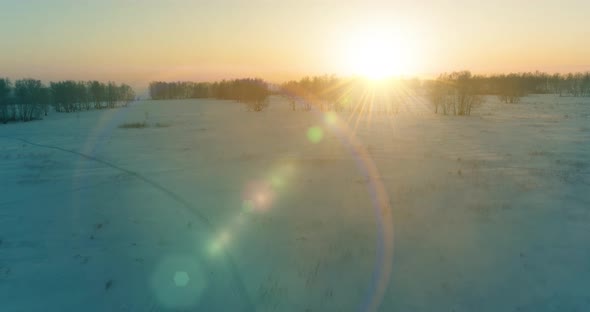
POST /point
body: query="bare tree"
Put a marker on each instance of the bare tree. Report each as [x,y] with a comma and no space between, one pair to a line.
[29,98]
[5,89]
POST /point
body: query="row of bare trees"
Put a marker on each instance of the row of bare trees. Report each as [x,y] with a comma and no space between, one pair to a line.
[72,96]
[161,90]
[332,93]
[29,99]
[251,91]
[326,92]
[456,93]
[510,87]
[577,84]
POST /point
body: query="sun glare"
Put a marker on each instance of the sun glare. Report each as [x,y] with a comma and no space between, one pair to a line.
[377,55]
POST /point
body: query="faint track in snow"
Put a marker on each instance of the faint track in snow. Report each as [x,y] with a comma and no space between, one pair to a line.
[209,226]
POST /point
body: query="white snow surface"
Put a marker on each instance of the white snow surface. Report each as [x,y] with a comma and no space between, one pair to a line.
[489,212]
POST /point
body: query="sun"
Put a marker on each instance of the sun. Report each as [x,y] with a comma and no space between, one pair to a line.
[376,54]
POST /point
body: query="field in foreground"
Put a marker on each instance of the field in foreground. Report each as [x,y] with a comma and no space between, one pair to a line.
[208,207]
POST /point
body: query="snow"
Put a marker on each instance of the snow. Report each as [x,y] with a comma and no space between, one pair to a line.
[223,209]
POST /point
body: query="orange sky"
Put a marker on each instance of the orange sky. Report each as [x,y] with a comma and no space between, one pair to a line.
[138,41]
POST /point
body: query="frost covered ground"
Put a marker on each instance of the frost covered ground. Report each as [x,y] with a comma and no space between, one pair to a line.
[212,208]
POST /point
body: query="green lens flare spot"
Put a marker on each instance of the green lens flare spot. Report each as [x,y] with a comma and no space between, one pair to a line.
[276,181]
[330,118]
[178,282]
[181,279]
[215,248]
[315,134]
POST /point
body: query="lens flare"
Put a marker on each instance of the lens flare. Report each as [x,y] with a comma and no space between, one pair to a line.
[383,217]
[315,134]
[220,242]
[215,248]
[330,118]
[276,181]
[181,278]
[259,195]
[178,282]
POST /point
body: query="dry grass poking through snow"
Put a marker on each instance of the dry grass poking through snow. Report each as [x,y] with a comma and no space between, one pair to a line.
[140,125]
[133,125]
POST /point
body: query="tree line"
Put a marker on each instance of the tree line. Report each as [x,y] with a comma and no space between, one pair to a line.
[332,93]
[510,87]
[328,92]
[29,99]
[458,92]
[455,93]
[251,91]
[520,84]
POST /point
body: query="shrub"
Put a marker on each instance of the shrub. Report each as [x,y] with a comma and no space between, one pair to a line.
[256,105]
[133,125]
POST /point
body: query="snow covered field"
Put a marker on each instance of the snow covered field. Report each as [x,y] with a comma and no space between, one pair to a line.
[212,208]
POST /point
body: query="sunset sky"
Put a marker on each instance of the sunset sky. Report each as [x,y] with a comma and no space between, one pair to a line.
[143,40]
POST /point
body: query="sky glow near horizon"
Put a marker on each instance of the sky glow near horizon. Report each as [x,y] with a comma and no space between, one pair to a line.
[140,41]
